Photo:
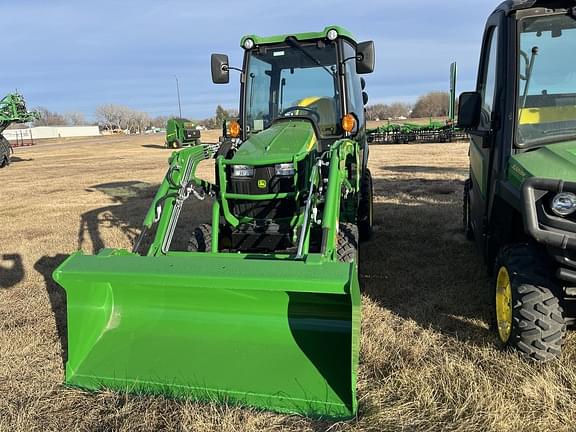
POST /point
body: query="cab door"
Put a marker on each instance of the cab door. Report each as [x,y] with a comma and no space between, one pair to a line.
[483,137]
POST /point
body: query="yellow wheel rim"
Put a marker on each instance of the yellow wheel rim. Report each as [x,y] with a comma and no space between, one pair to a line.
[504,304]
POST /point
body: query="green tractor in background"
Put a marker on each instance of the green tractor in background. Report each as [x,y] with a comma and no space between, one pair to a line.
[263,308]
[520,199]
[12,110]
[181,133]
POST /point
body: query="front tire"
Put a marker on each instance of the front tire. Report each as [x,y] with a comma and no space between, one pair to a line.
[201,239]
[347,243]
[366,207]
[529,317]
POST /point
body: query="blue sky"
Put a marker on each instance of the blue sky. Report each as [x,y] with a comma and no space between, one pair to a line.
[75,55]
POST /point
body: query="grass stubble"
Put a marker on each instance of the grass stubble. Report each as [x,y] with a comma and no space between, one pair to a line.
[428,359]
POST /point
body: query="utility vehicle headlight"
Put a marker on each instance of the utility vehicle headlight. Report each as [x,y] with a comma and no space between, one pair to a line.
[248,44]
[285,169]
[242,171]
[564,204]
[332,34]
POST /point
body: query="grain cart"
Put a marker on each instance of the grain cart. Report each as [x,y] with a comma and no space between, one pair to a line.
[264,307]
[181,133]
[520,199]
[12,110]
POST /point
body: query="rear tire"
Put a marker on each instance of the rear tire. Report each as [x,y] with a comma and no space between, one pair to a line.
[201,239]
[347,243]
[366,207]
[531,321]
[466,223]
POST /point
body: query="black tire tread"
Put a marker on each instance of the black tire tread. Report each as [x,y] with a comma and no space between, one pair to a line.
[347,243]
[538,327]
[201,239]
[366,206]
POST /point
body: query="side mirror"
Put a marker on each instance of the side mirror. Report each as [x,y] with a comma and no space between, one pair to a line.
[220,70]
[469,107]
[365,57]
[364,97]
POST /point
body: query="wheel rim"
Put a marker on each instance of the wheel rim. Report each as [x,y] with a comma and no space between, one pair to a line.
[504,304]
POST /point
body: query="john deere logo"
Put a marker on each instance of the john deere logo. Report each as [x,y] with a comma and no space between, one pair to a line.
[262,184]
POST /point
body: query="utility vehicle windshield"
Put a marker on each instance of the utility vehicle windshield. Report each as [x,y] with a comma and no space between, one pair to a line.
[295,79]
[547,80]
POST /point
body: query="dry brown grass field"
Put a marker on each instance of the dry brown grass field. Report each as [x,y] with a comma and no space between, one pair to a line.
[428,359]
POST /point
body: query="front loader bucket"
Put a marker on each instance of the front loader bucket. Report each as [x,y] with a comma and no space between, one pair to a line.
[267,332]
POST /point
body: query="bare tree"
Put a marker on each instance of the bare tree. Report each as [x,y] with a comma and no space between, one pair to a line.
[384,111]
[75,118]
[49,118]
[434,104]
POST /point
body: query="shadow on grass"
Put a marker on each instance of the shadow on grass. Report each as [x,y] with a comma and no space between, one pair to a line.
[419,264]
[419,169]
[11,270]
[155,146]
[16,159]
[45,266]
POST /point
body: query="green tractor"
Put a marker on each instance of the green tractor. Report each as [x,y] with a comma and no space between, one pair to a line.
[263,308]
[12,110]
[520,199]
[181,133]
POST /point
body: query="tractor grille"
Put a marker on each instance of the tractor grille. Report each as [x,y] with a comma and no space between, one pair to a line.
[264,182]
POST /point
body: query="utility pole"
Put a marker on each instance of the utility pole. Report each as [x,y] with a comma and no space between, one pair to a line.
[178,91]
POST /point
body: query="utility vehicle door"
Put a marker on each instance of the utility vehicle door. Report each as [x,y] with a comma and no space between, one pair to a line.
[483,138]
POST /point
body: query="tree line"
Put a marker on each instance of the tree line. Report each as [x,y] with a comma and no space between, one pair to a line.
[433,104]
[120,117]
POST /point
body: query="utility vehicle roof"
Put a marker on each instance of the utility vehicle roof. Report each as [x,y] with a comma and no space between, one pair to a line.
[510,6]
[259,40]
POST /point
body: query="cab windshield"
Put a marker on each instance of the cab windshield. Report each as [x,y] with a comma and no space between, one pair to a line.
[285,81]
[547,80]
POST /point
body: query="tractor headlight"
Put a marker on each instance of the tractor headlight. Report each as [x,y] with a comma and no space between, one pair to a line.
[242,171]
[564,204]
[285,169]
[248,44]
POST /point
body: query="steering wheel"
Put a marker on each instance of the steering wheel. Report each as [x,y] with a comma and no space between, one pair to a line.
[302,108]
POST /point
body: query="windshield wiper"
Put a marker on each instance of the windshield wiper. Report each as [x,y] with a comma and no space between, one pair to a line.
[293,42]
[529,75]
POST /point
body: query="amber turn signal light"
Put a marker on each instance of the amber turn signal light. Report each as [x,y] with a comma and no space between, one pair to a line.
[348,123]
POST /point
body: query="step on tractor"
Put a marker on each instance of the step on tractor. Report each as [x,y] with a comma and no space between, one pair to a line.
[181,133]
[520,199]
[263,308]
[12,110]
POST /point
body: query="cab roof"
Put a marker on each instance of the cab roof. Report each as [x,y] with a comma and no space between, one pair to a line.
[259,40]
[511,6]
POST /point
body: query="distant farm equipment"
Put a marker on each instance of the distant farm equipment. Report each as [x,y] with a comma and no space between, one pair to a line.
[12,110]
[181,132]
[434,131]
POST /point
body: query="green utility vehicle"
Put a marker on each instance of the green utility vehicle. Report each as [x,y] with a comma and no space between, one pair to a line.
[520,199]
[12,110]
[181,133]
[264,307]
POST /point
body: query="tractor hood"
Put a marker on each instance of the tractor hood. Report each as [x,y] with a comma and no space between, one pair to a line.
[554,161]
[284,141]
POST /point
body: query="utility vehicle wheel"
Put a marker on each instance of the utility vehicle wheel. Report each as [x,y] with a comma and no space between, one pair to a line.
[529,317]
[466,223]
[347,243]
[175,144]
[201,239]
[5,161]
[366,207]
